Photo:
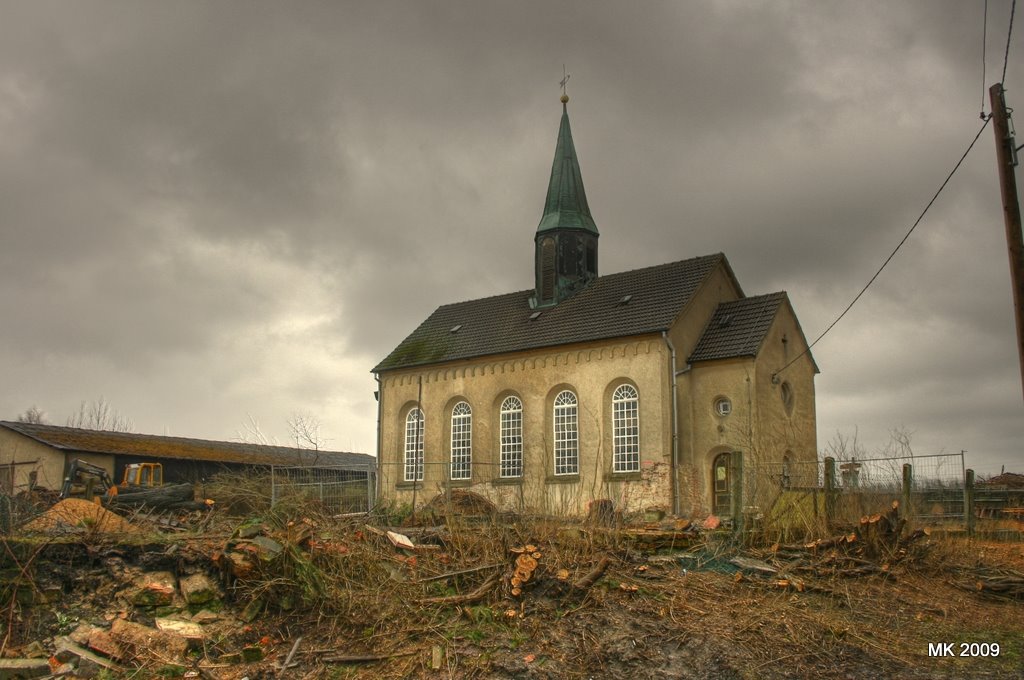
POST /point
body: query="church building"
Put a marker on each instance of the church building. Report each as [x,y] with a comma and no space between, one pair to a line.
[635,387]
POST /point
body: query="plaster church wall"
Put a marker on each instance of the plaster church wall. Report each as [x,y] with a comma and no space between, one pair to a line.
[591,370]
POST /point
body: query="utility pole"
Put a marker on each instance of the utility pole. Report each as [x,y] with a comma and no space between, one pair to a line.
[1005,155]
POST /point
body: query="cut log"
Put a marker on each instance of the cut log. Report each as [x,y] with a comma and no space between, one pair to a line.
[158,497]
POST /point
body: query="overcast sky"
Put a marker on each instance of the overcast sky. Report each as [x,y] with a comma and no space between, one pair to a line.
[211,211]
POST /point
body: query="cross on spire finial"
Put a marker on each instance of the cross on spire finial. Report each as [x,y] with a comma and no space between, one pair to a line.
[565,79]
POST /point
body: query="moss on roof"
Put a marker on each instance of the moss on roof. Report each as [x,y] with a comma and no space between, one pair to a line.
[157,446]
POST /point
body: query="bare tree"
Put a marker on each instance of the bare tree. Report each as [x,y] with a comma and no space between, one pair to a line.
[100,415]
[305,430]
[899,445]
[844,447]
[33,414]
[252,433]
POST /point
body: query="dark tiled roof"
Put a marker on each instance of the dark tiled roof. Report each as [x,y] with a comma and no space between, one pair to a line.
[737,328]
[130,443]
[501,324]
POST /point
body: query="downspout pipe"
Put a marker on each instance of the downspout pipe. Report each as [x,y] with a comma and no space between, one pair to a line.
[377,485]
[675,428]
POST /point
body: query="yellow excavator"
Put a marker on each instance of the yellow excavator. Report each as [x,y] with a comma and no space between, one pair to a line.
[142,484]
[142,475]
[83,477]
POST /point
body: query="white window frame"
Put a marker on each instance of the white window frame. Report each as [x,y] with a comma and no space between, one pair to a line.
[462,442]
[565,421]
[625,429]
[723,406]
[414,446]
[510,458]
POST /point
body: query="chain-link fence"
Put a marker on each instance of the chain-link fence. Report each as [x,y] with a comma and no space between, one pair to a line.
[337,489]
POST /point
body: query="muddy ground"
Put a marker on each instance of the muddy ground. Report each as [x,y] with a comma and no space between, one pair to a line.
[365,608]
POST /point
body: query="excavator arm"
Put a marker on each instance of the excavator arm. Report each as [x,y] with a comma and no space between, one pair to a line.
[79,471]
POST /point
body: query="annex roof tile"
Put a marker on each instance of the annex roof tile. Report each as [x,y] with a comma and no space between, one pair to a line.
[737,328]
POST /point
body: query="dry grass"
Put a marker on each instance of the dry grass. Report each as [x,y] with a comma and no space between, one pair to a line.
[650,616]
[350,593]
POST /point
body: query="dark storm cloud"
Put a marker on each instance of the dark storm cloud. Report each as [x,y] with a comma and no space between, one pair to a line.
[270,197]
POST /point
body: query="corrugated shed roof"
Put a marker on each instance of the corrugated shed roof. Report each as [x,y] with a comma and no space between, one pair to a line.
[506,323]
[1011,480]
[737,328]
[131,443]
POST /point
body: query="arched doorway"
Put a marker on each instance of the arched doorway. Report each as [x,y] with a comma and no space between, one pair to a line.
[721,484]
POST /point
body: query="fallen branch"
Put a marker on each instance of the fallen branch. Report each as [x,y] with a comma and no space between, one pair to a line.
[363,658]
[461,572]
[291,655]
[592,576]
[472,596]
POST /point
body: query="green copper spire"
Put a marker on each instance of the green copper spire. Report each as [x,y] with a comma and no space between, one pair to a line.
[566,203]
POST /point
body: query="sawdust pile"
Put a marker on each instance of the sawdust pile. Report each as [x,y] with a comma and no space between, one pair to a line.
[75,514]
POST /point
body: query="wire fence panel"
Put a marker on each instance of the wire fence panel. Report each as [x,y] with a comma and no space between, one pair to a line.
[351,488]
[799,499]
[930,488]
[785,499]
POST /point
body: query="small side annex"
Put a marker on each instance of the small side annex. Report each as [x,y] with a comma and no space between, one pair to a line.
[38,455]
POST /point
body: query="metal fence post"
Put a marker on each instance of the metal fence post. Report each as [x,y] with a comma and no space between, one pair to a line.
[736,463]
[273,487]
[969,501]
[908,485]
[830,491]
[5,513]
[369,488]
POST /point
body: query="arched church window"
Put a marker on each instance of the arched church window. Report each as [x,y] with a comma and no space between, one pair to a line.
[567,456]
[414,446]
[511,453]
[625,429]
[462,441]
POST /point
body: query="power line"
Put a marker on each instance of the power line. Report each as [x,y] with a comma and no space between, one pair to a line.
[984,46]
[1009,32]
[895,250]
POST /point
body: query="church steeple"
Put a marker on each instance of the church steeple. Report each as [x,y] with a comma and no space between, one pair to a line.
[566,238]
[566,204]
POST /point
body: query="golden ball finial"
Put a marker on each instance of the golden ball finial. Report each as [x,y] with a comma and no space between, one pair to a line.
[565,98]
